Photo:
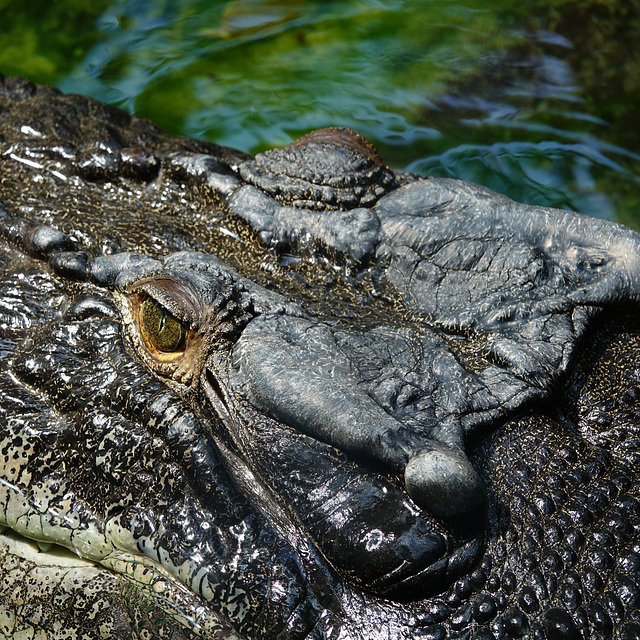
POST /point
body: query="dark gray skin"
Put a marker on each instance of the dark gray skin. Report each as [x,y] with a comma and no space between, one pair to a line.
[400,407]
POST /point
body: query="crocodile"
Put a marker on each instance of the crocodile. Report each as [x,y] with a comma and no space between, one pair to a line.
[302,395]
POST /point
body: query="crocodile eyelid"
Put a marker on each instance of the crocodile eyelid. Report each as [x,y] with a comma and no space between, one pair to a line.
[175,296]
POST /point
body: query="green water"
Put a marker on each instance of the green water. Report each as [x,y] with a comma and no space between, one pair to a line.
[540,100]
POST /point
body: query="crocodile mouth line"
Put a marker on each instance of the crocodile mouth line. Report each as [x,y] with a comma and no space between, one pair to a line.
[43,553]
[153,583]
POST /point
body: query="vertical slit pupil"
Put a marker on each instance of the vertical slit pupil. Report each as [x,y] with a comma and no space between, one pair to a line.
[165,332]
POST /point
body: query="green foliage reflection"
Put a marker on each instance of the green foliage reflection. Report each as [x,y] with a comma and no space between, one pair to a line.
[537,101]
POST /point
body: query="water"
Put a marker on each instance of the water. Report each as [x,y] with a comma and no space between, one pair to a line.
[538,102]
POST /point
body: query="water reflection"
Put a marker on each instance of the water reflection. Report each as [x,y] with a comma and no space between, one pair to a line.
[441,88]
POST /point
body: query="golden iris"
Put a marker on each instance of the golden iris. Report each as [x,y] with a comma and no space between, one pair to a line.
[163,331]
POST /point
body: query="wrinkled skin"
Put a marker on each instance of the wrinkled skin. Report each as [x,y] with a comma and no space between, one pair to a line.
[303,396]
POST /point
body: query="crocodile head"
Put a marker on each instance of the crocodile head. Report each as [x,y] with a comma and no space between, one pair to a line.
[300,395]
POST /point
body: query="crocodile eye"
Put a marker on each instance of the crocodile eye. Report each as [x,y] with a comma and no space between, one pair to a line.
[160,330]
